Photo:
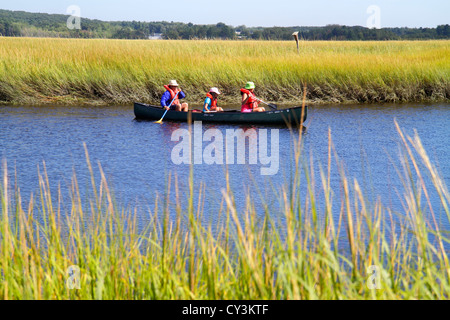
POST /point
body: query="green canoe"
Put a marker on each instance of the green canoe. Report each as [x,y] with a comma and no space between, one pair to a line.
[288,117]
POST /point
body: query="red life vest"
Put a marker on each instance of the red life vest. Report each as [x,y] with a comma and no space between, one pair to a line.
[172,95]
[213,102]
[251,103]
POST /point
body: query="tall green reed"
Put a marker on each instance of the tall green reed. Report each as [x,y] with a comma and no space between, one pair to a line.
[314,252]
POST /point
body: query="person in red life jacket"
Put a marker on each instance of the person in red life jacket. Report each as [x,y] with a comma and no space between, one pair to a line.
[211,101]
[249,100]
[174,91]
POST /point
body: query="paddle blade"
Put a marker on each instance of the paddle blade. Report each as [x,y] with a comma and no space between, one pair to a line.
[273,106]
[159,121]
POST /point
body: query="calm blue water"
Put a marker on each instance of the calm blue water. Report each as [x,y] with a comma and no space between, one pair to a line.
[136,156]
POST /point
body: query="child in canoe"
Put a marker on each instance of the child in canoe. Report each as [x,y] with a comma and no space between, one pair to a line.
[174,94]
[249,100]
[210,103]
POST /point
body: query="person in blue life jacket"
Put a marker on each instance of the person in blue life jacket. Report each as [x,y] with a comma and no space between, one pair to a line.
[210,104]
[173,92]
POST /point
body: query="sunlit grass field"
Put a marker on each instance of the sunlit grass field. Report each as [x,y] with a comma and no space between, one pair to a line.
[122,71]
[300,252]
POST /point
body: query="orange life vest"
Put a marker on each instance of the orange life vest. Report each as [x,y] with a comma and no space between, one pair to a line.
[213,102]
[251,103]
[172,95]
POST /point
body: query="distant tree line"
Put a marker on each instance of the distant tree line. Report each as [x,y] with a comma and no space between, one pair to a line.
[20,23]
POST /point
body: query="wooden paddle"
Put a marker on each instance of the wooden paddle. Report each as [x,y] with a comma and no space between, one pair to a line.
[271,105]
[160,120]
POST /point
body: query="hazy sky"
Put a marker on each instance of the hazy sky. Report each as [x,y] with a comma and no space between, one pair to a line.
[393,13]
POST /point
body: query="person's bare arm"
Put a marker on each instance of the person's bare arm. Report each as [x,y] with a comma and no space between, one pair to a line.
[245,98]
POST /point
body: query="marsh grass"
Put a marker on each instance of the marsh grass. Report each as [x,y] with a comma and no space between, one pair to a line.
[123,71]
[312,253]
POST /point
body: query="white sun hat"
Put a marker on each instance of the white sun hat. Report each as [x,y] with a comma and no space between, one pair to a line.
[173,83]
[215,90]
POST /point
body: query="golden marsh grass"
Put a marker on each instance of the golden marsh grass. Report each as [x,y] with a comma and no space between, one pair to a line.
[122,71]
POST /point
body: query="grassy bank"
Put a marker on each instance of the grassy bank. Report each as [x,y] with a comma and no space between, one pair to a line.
[120,71]
[309,254]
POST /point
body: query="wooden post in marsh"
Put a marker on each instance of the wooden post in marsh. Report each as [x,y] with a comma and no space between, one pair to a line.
[295,35]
